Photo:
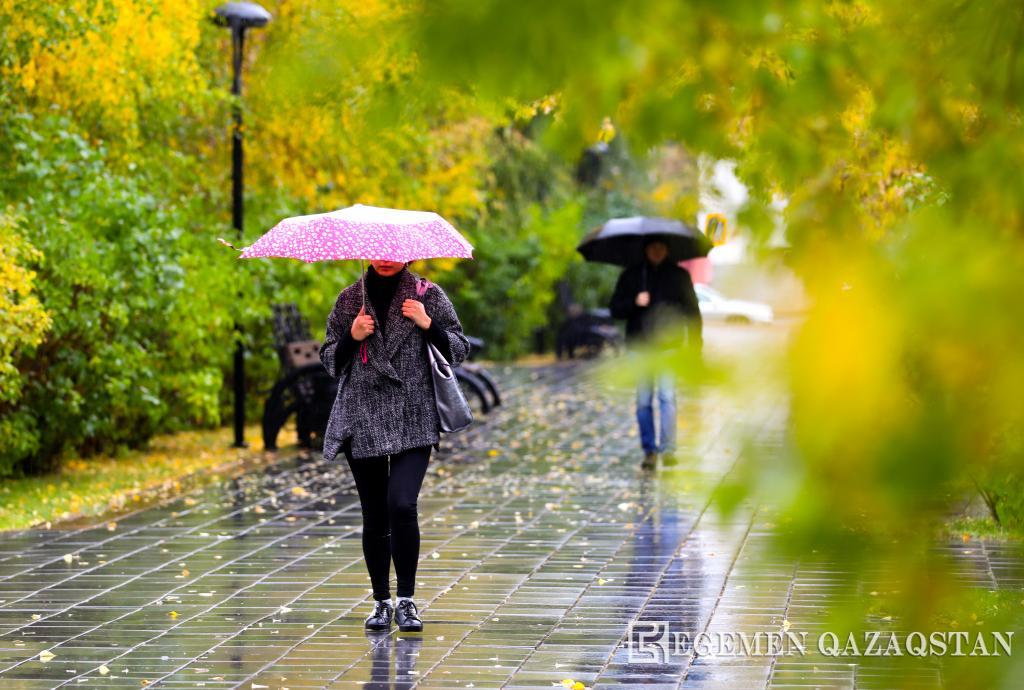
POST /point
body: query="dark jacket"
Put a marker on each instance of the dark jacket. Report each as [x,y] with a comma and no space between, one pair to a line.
[386,404]
[672,296]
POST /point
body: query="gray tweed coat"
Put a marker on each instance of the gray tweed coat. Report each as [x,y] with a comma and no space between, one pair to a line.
[387,404]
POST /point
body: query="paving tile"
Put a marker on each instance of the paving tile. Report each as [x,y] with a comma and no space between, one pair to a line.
[536,558]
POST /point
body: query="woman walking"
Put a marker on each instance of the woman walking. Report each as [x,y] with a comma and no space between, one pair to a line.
[384,418]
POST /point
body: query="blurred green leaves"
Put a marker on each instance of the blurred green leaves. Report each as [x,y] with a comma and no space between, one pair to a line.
[894,132]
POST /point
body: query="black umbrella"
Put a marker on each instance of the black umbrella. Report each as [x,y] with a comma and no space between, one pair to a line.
[620,241]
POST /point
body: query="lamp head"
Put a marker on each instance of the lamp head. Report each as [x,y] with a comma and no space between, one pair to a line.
[241,15]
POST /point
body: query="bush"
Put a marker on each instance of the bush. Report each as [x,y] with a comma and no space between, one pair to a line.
[1002,483]
[137,324]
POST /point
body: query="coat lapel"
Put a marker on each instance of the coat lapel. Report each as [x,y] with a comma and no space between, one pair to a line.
[381,348]
[375,348]
[398,327]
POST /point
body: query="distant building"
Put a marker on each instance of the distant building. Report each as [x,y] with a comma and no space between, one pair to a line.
[734,268]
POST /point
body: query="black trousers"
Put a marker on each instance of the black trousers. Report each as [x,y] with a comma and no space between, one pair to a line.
[388,488]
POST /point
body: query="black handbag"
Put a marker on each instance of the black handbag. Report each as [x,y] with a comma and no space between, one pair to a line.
[452,407]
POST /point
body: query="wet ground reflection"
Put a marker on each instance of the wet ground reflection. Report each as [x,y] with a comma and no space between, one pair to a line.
[542,542]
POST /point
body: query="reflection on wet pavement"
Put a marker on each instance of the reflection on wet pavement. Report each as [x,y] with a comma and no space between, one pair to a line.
[542,542]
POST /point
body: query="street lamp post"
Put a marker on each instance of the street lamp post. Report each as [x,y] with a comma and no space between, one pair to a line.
[238,16]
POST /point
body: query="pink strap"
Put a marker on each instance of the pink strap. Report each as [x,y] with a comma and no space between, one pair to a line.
[362,351]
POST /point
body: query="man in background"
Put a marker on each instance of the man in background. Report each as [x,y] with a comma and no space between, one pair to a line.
[648,296]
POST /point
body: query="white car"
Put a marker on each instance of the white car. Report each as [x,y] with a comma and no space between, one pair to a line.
[713,305]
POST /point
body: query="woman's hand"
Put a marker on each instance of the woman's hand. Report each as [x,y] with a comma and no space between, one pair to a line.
[362,326]
[643,299]
[415,310]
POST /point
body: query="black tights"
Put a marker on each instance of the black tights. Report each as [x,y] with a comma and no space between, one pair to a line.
[390,525]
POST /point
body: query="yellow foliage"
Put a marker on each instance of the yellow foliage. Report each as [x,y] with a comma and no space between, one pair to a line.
[23,319]
[88,488]
[111,62]
[853,14]
[847,373]
[857,115]
[773,63]
[524,112]
[120,56]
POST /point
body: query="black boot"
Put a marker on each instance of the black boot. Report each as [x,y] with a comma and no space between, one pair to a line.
[380,619]
[407,617]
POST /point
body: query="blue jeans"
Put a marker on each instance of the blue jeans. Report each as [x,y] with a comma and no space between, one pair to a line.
[665,388]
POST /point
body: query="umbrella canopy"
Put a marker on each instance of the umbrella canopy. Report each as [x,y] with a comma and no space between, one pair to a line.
[362,232]
[620,241]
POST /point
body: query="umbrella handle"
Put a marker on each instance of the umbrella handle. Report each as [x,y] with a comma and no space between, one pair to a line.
[362,284]
[362,281]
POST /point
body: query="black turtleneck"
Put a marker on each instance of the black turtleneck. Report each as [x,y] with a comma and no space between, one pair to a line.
[380,290]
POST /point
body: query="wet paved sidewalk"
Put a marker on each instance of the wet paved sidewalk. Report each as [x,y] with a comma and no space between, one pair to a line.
[542,542]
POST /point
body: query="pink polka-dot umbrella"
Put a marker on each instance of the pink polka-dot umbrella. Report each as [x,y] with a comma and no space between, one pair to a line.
[364,233]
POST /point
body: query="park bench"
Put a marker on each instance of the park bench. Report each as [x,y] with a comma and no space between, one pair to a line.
[477,383]
[588,330]
[304,388]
